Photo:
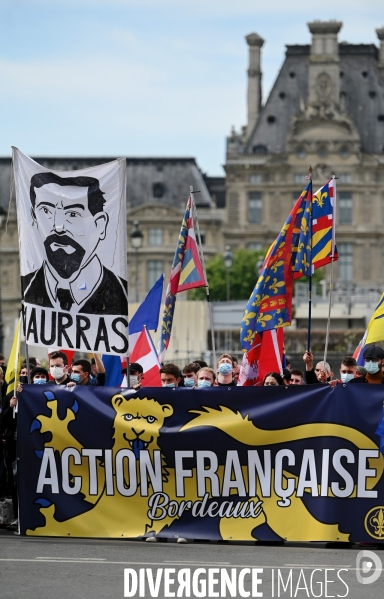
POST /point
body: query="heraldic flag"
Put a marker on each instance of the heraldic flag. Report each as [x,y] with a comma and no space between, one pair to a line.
[306,242]
[187,273]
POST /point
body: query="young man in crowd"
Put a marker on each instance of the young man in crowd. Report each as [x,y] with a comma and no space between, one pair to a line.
[297,377]
[135,376]
[348,369]
[189,372]
[170,375]
[58,368]
[81,373]
[225,371]
[321,374]
[206,377]
[373,359]
[286,376]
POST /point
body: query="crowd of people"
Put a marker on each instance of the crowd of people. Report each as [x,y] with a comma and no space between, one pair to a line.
[195,375]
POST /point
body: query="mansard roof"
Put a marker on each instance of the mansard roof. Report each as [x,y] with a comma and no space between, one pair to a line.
[149,180]
[361,86]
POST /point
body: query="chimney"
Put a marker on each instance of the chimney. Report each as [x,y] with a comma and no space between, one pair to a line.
[255,43]
[380,35]
[324,76]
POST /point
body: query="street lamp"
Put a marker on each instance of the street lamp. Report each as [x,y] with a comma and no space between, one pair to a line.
[136,240]
[228,261]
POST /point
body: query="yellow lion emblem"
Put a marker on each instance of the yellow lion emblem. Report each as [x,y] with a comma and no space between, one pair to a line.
[136,428]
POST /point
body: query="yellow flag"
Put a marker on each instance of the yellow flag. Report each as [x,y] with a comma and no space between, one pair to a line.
[376,324]
[13,367]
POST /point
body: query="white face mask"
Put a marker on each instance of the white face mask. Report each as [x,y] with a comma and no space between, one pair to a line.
[133,380]
[346,377]
[57,372]
[372,367]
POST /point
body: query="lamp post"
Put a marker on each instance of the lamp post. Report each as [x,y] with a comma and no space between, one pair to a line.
[136,240]
[228,261]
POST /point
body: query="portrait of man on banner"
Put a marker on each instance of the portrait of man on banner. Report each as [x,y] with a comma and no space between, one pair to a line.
[72,235]
[70,218]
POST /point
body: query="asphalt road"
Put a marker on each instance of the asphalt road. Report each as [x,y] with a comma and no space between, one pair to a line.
[44,568]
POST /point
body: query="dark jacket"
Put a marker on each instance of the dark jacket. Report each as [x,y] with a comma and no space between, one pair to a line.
[109,298]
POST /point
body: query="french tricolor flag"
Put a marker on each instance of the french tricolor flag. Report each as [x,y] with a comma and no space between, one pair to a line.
[145,354]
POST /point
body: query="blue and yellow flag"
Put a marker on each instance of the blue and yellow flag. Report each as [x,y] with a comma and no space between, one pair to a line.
[306,242]
[317,238]
[375,330]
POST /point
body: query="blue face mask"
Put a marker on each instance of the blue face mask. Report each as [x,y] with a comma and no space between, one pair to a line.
[189,383]
[345,377]
[76,378]
[204,383]
[225,369]
[169,385]
[372,367]
[39,382]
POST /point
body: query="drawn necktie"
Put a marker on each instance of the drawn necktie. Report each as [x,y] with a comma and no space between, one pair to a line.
[65,298]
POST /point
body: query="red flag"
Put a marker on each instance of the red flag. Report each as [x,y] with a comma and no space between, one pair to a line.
[265,356]
[271,352]
[145,354]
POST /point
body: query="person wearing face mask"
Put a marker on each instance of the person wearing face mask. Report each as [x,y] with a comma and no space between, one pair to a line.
[81,375]
[225,371]
[348,369]
[373,359]
[190,374]
[206,377]
[135,376]
[170,375]
[39,376]
[58,367]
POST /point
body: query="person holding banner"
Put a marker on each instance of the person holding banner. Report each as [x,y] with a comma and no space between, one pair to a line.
[81,374]
[321,374]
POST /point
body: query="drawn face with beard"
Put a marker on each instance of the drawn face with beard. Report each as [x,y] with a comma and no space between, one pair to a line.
[70,232]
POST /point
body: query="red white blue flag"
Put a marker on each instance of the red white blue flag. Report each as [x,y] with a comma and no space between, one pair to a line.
[187,273]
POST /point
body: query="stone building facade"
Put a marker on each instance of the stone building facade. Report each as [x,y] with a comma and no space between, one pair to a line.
[325,109]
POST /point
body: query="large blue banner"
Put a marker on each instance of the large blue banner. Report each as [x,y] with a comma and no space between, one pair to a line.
[263,463]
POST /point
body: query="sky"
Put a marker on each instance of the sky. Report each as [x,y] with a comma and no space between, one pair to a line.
[146,77]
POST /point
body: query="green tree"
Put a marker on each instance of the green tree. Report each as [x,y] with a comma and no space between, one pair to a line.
[242,276]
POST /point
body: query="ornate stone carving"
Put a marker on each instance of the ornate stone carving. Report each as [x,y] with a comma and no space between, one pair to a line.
[323,86]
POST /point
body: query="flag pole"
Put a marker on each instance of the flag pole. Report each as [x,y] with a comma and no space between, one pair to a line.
[331,275]
[309,176]
[205,277]
[16,365]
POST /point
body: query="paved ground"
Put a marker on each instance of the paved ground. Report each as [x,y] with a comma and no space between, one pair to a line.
[43,568]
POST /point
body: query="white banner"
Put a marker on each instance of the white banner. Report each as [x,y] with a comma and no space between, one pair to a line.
[73,255]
